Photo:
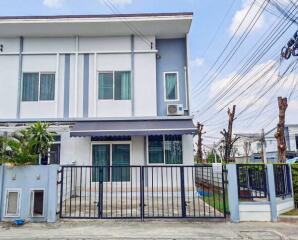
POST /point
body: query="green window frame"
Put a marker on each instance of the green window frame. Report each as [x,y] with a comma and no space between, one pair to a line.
[171,86]
[165,149]
[38,87]
[114,85]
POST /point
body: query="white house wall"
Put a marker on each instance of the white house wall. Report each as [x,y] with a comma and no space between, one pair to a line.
[9,84]
[10,45]
[104,44]
[144,87]
[51,44]
[187,148]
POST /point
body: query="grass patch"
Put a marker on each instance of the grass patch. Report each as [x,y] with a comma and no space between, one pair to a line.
[216,201]
[292,213]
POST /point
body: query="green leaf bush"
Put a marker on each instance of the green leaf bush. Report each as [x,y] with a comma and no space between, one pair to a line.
[26,146]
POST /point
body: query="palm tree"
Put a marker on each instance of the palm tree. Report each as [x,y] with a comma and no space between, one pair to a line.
[39,139]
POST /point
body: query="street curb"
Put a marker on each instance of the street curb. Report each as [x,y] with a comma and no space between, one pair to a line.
[288,219]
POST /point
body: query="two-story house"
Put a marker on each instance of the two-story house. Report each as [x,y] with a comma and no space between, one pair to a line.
[115,88]
[291,137]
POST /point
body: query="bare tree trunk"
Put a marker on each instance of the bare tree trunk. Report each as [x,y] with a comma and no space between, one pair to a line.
[228,135]
[280,132]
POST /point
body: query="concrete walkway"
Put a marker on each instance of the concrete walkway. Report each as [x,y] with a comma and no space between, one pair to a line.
[150,230]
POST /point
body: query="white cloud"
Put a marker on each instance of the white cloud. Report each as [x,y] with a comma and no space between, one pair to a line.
[116,2]
[53,3]
[197,62]
[241,14]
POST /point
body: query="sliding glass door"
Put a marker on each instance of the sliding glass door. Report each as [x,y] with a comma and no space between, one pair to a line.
[101,157]
[111,154]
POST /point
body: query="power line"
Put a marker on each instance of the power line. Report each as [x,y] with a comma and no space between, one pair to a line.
[114,9]
[226,47]
[259,56]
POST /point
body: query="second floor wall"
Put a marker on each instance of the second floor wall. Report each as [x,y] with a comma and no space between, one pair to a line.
[91,77]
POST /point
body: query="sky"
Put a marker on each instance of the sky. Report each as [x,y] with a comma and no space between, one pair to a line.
[214,24]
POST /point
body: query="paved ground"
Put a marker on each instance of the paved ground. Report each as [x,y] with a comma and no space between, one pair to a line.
[150,230]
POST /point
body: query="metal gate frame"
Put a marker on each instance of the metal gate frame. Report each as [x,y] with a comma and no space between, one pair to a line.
[204,171]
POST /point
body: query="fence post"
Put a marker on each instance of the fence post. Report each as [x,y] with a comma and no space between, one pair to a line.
[1,189]
[271,191]
[233,193]
[52,193]
[291,181]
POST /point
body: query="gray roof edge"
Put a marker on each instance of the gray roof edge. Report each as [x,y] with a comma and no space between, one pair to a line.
[74,120]
[132,15]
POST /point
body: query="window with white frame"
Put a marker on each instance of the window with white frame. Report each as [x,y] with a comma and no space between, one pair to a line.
[37,203]
[114,85]
[165,149]
[38,87]
[12,206]
[171,86]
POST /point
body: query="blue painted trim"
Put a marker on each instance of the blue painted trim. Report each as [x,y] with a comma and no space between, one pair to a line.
[132,74]
[173,57]
[86,86]
[20,77]
[233,193]
[272,195]
[66,85]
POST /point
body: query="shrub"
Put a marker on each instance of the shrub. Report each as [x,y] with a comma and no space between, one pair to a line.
[26,146]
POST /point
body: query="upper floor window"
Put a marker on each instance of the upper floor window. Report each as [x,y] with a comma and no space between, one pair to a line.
[38,87]
[171,86]
[114,85]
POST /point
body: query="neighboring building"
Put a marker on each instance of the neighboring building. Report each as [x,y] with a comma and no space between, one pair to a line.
[247,148]
[114,88]
[291,136]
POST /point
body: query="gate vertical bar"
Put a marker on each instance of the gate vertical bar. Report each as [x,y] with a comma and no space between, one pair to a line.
[100,192]
[183,203]
[61,191]
[142,188]
[223,180]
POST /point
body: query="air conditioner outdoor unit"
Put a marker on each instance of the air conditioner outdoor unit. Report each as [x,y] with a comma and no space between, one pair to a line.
[175,109]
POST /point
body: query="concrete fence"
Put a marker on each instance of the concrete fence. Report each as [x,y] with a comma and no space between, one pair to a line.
[259,209]
[29,193]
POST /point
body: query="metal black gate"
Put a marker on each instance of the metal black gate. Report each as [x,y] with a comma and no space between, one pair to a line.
[97,192]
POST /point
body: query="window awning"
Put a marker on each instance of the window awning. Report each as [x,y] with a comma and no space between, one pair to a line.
[133,128]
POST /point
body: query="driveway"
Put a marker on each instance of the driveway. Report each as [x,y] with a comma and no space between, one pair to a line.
[150,230]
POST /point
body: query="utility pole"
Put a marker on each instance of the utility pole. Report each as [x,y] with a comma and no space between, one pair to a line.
[228,135]
[280,133]
[199,144]
[263,143]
